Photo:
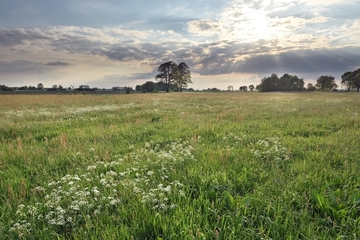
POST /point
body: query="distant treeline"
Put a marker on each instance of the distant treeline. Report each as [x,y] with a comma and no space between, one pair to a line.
[150,86]
[287,82]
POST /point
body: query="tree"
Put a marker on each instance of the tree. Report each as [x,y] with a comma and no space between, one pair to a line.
[165,74]
[310,87]
[23,88]
[230,88]
[326,83]
[259,87]
[149,86]
[291,83]
[269,84]
[138,88]
[182,76]
[251,87]
[61,87]
[54,86]
[243,88]
[357,79]
[286,83]
[347,80]
[40,86]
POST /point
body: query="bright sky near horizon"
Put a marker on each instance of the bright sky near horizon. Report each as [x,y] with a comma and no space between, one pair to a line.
[225,42]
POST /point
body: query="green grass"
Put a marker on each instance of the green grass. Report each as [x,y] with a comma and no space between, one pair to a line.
[180,166]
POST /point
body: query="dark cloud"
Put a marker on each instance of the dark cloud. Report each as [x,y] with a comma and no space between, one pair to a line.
[130,76]
[58,63]
[203,25]
[14,37]
[311,62]
[22,66]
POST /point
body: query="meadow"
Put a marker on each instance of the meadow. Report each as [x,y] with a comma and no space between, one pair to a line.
[227,165]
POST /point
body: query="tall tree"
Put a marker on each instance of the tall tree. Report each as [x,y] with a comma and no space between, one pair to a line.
[356,74]
[269,84]
[182,76]
[347,80]
[165,74]
[291,83]
[326,83]
[251,87]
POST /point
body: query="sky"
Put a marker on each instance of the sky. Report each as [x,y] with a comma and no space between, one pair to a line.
[224,42]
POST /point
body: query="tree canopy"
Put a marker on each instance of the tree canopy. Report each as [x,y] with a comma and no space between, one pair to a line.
[181,76]
[351,80]
[286,83]
[171,73]
[326,83]
[166,74]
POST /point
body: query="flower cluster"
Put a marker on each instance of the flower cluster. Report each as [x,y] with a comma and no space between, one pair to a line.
[270,149]
[161,196]
[68,110]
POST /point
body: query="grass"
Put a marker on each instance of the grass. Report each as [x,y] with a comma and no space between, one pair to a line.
[180,166]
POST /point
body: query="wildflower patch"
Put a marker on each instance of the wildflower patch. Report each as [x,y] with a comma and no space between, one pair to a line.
[68,202]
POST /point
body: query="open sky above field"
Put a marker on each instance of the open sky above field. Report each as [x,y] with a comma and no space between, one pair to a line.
[121,43]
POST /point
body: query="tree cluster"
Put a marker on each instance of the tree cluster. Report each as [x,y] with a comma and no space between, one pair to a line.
[150,86]
[285,83]
[351,80]
[171,73]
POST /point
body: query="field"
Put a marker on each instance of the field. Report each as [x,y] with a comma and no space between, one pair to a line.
[180,166]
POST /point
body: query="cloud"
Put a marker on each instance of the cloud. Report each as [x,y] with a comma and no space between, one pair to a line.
[58,63]
[22,66]
[131,76]
[205,27]
[226,37]
[20,36]
[299,61]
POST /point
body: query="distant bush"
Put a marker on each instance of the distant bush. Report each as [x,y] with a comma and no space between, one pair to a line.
[6,88]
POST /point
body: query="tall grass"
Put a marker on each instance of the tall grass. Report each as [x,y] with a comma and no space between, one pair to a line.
[180,166]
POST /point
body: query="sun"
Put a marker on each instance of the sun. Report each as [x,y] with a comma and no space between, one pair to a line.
[260,27]
[250,23]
